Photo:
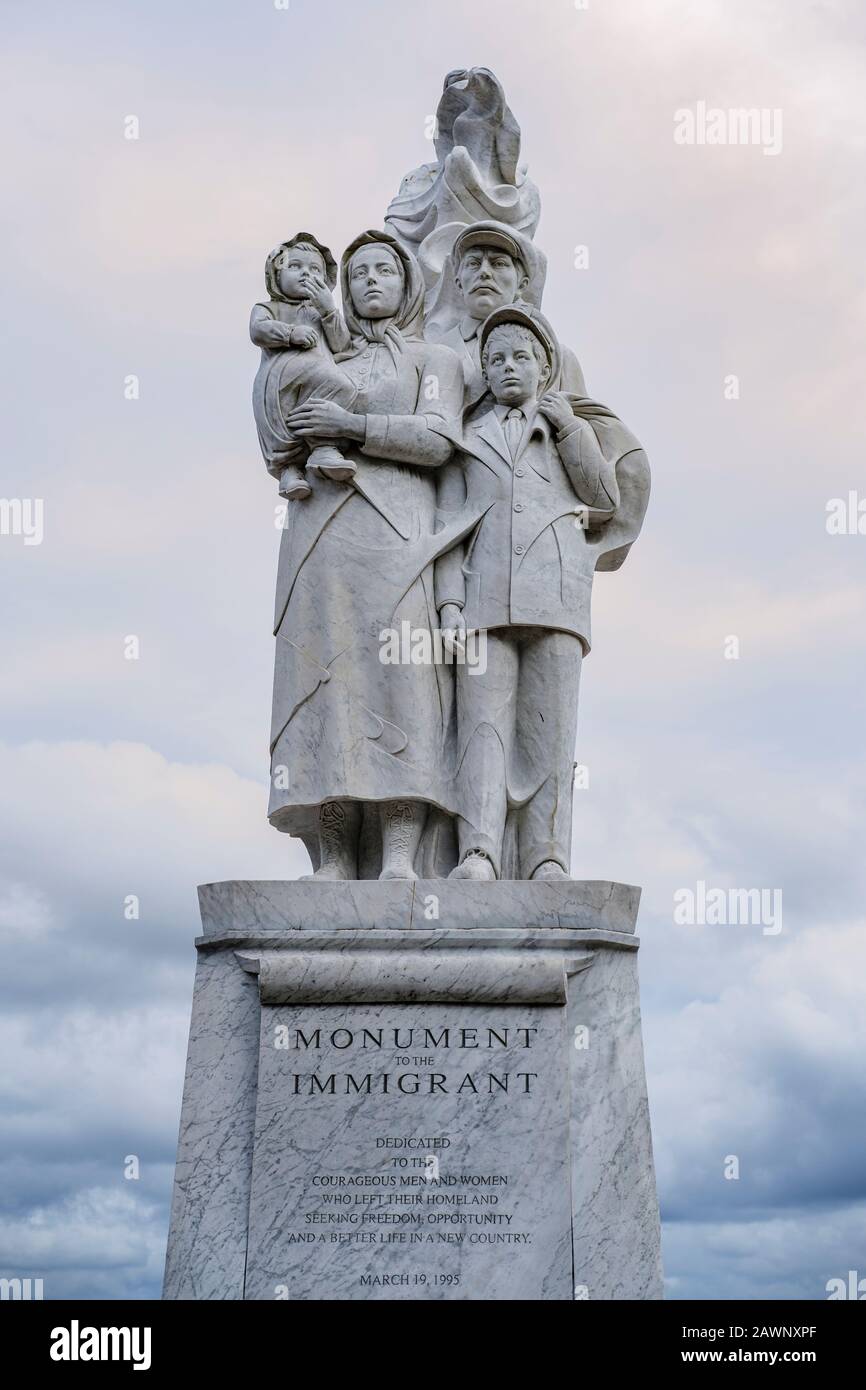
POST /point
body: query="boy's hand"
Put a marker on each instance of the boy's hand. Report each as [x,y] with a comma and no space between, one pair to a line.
[303,336]
[556,407]
[318,294]
[453,625]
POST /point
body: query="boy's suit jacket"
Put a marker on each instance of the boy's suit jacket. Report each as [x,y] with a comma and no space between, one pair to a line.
[569,503]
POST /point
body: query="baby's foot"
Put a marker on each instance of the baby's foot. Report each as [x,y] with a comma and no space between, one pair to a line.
[330,463]
[293,485]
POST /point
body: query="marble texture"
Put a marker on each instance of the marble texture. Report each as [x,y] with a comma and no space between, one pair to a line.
[615,1227]
[263,941]
[265,905]
[207,1244]
[494,1224]
[377,977]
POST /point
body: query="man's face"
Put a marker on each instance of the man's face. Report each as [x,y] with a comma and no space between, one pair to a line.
[512,369]
[298,267]
[488,279]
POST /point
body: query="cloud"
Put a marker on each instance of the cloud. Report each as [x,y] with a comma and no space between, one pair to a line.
[100,1243]
[89,827]
[148,777]
[786,1039]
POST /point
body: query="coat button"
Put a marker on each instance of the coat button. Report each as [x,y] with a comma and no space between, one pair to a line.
[519,549]
[519,473]
[518,506]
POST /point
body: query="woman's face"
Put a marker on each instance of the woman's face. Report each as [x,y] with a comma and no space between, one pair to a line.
[375,282]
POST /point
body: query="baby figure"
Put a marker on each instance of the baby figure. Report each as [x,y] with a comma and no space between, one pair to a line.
[299,330]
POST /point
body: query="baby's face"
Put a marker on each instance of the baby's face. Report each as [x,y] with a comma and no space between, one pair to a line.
[298,267]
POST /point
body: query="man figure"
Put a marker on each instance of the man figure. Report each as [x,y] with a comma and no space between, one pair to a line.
[561,487]
[489,267]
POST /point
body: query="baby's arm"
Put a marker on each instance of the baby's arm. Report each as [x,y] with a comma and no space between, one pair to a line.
[268,332]
[332,321]
[335,331]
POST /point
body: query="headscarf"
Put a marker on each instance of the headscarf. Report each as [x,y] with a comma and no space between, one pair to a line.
[272,281]
[407,324]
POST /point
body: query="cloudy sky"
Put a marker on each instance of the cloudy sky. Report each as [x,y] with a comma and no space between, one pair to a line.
[721,314]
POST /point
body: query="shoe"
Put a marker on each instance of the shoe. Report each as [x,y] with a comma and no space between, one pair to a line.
[330,463]
[475,865]
[550,869]
[294,486]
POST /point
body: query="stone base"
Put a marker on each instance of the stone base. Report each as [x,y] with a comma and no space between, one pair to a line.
[424,1090]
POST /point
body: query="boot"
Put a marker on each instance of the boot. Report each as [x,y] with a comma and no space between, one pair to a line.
[338,840]
[402,824]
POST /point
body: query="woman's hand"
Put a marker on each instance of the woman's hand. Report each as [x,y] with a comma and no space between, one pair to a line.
[326,420]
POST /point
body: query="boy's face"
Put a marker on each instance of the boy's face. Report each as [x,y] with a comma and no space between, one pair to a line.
[298,267]
[512,369]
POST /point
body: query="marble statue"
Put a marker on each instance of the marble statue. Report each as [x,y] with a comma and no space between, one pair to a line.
[417,1074]
[448,478]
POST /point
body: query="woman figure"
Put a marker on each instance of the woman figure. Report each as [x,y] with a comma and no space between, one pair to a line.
[361,747]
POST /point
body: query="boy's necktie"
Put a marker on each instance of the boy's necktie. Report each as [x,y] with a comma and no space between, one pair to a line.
[513,426]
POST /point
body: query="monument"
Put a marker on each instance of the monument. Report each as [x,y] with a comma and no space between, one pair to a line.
[417,1073]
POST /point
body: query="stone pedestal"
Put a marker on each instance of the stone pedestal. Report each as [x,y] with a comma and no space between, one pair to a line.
[424,1090]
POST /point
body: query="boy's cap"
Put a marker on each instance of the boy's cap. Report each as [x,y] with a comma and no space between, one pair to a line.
[525,317]
[487,236]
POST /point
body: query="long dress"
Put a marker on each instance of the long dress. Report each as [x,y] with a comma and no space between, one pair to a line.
[356,561]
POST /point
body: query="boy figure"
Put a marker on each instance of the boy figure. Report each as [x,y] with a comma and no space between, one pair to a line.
[541,470]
